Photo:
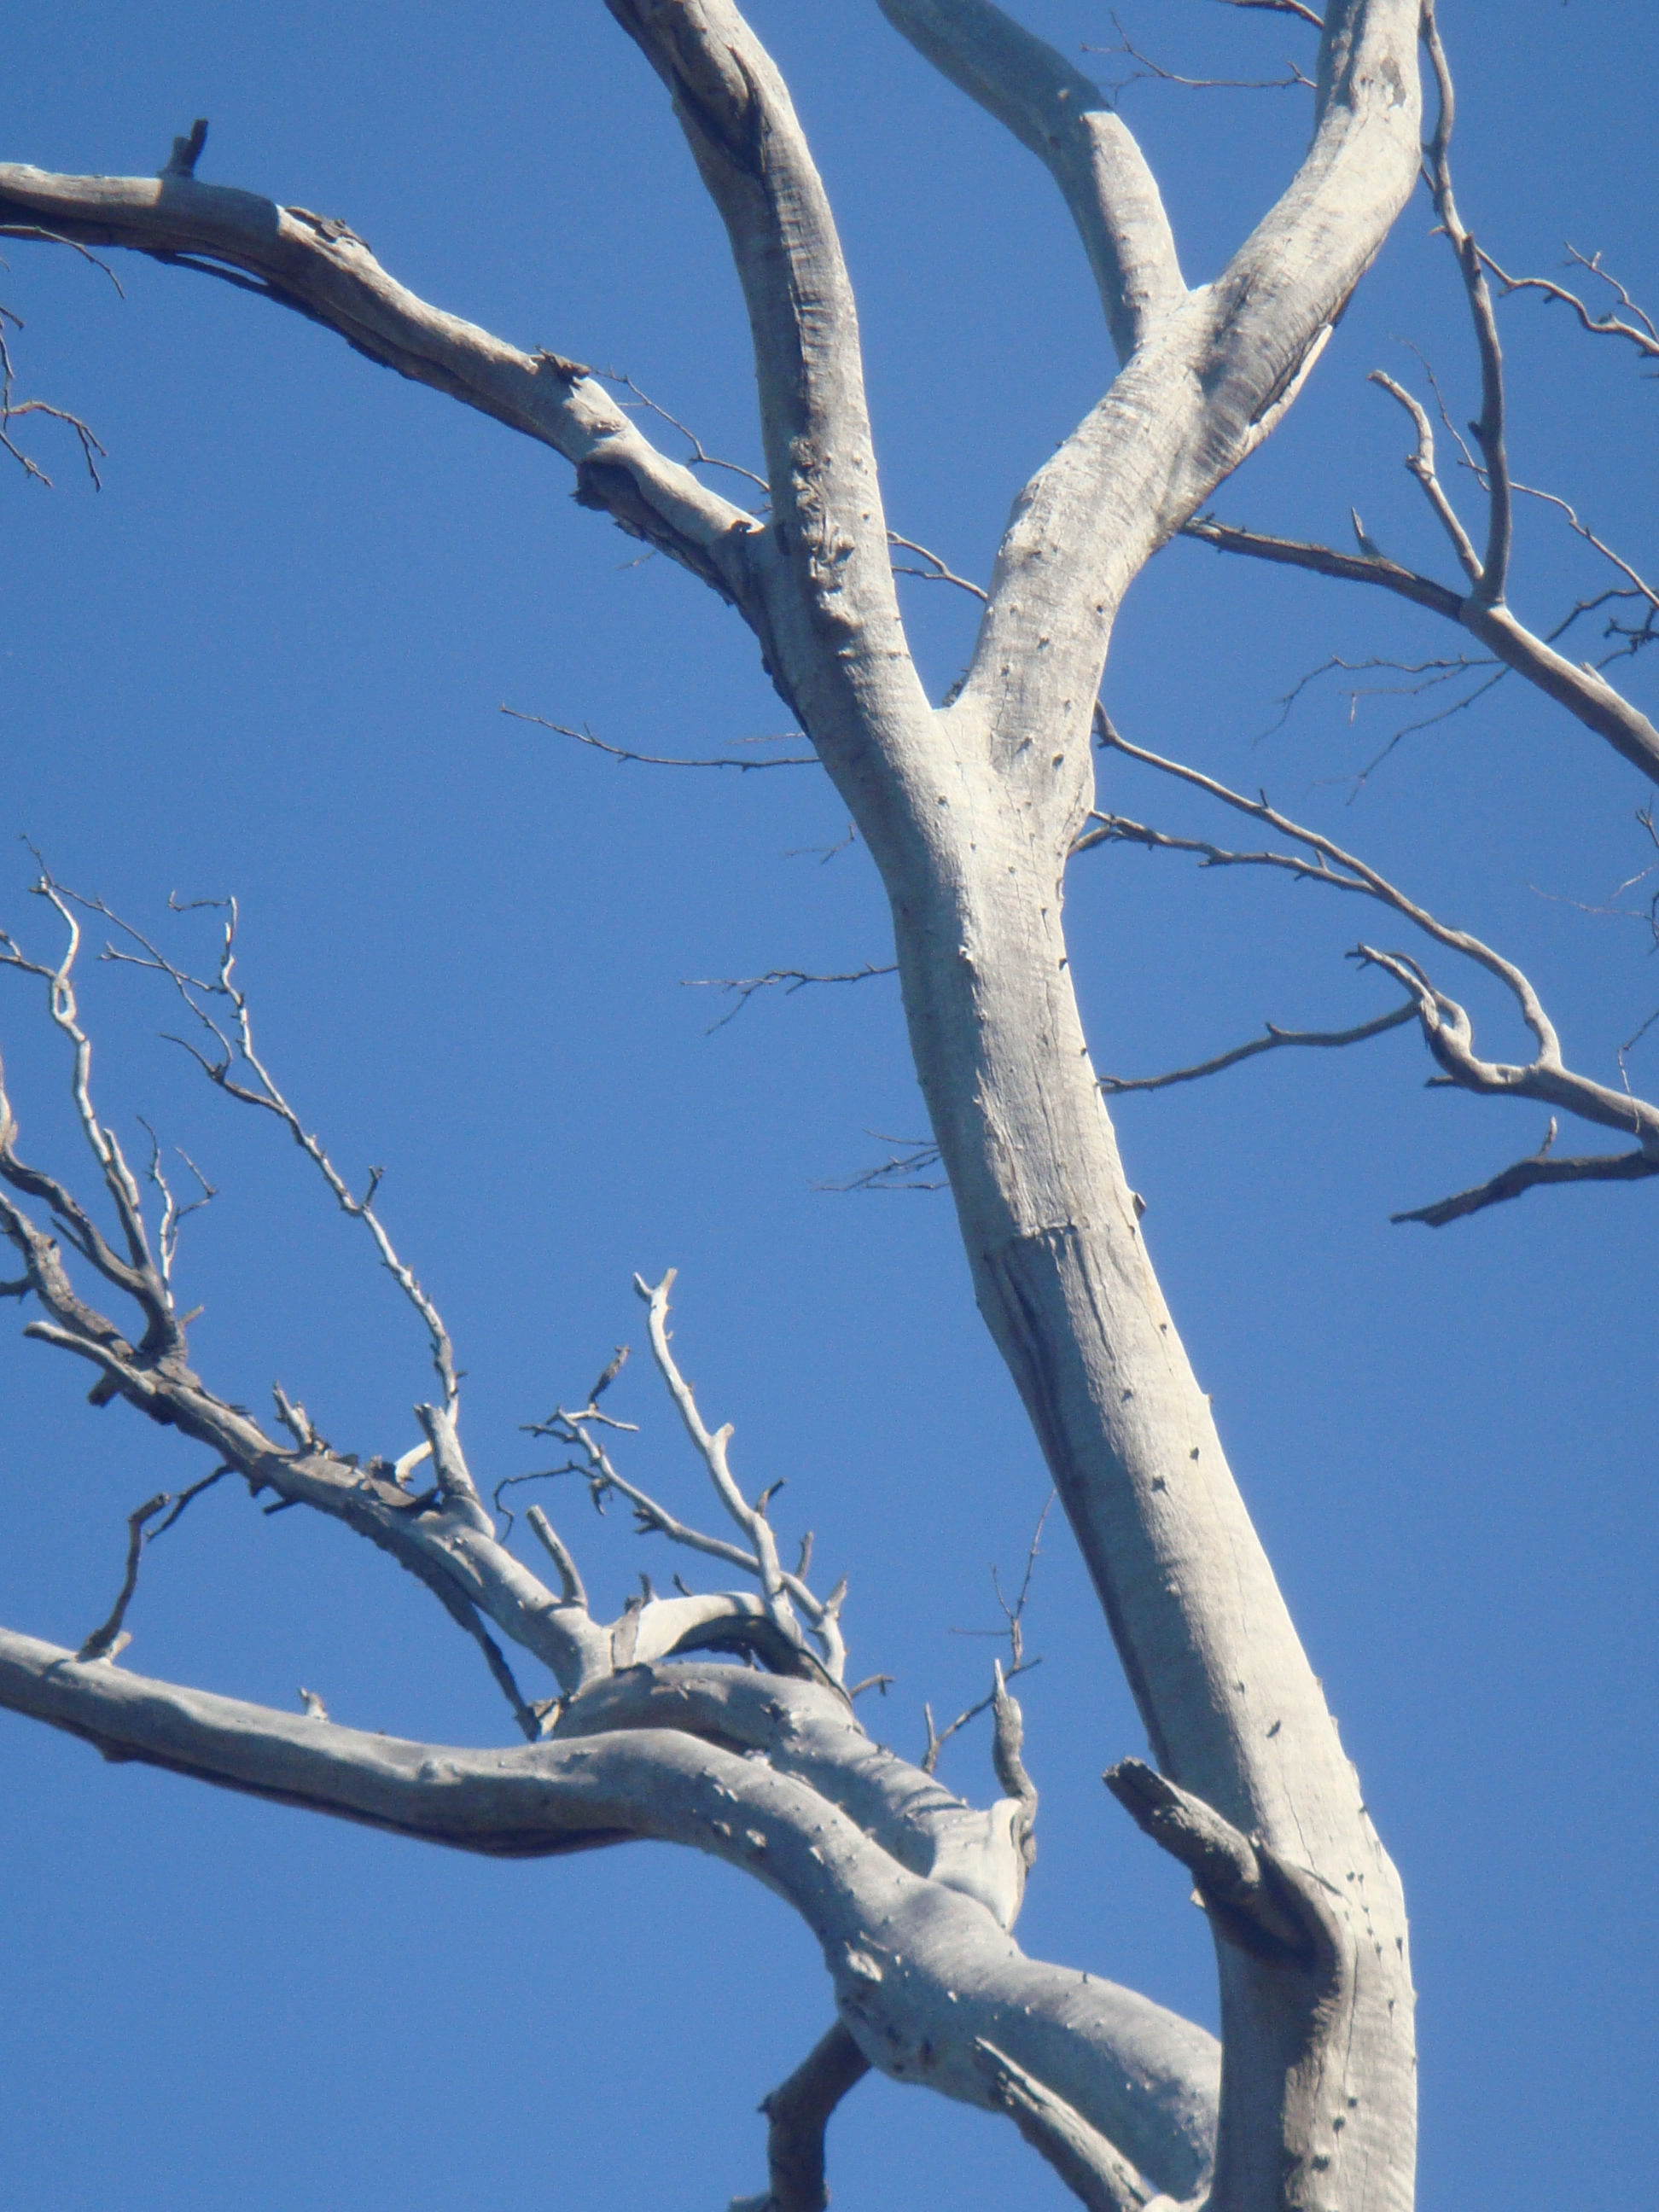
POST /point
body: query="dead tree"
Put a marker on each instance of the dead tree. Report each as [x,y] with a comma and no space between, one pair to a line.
[971,812]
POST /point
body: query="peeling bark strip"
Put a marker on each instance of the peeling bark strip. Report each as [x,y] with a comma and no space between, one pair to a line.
[970,812]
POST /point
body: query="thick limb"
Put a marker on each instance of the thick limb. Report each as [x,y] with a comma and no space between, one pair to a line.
[922,1973]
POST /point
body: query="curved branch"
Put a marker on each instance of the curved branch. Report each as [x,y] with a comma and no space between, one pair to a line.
[921,1974]
[1064,118]
[1641,333]
[1112,1085]
[318,266]
[831,630]
[1187,410]
[1447,1029]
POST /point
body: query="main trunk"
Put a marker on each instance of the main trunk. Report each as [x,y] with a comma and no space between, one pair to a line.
[1318,2103]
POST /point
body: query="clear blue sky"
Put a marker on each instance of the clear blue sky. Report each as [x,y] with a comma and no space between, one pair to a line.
[268,658]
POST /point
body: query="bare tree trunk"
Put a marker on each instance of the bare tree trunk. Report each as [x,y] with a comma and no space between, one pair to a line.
[970,812]
[1318,2096]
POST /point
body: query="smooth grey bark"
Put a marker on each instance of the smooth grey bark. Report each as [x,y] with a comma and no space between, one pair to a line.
[971,812]
[922,1971]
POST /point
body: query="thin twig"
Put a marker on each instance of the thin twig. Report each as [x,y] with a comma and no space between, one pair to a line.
[668,760]
[900,1172]
[1488,427]
[700,459]
[939,573]
[788,979]
[109,1641]
[1013,1628]
[1148,68]
[242,1052]
[1447,1029]
[1298,8]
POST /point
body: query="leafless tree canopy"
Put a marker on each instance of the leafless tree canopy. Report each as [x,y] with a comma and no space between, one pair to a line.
[724,1719]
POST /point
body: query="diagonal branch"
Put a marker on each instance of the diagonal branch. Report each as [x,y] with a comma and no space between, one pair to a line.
[798,2112]
[1094,2170]
[1129,2070]
[317,265]
[1187,410]
[1583,691]
[1298,8]
[1112,1085]
[1488,426]
[778,1588]
[1421,465]
[1446,1025]
[1060,116]
[672,760]
[1641,333]
[241,1055]
[137,1275]
[1148,70]
[1234,1875]
[827,614]
[788,979]
[1530,1175]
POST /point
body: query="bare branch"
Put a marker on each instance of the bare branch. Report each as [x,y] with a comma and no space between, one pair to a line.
[1638,584]
[570,1581]
[1147,69]
[187,151]
[901,1171]
[700,459]
[1298,8]
[1585,693]
[1490,584]
[751,1519]
[1528,1175]
[666,760]
[1327,561]
[579,1430]
[799,2110]
[1093,2169]
[1010,1728]
[1446,1026]
[137,1275]
[1234,1876]
[822,569]
[1421,464]
[1059,115]
[789,979]
[317,265]
[444,1538]
[1640,332]
[938,571]
[1275,1037]
[107,1642]
[241,1055]
[666,1760]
